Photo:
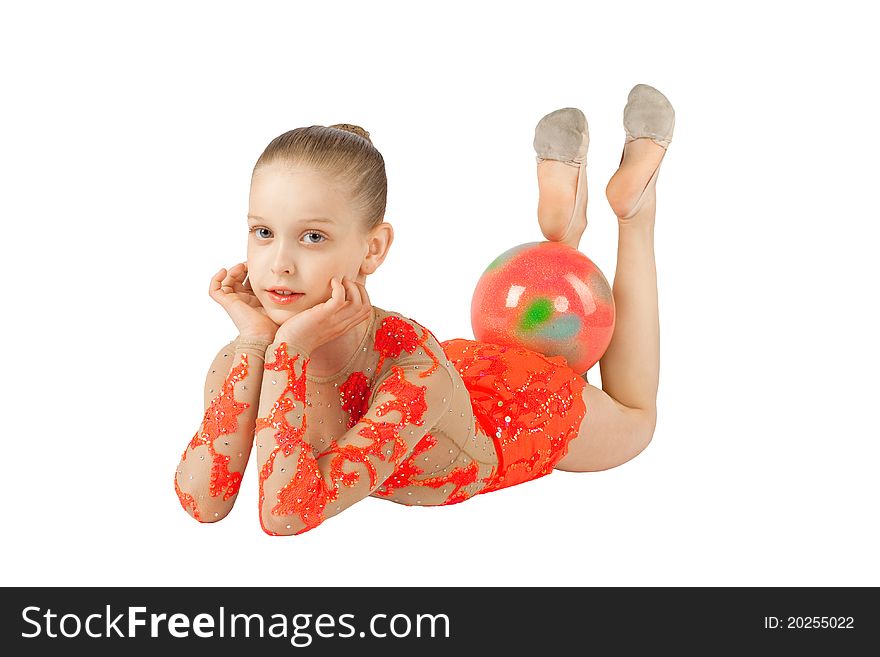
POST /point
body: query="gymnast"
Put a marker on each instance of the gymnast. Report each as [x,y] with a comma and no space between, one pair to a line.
[345,400]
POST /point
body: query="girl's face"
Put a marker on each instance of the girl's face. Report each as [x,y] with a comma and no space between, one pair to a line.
[302,233]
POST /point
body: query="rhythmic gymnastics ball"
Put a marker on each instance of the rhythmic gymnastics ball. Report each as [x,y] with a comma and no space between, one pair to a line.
[547,297]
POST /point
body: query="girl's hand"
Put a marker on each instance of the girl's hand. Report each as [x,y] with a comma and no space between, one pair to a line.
[347,307]
[239,301]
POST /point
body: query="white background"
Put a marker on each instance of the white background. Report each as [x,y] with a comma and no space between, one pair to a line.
[128,137]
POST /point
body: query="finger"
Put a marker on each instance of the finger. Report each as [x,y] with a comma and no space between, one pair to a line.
[239,278]
[216,280]
[361,293]
[215,287]
[332,299]
[235,273]
[338,294]
[359,307]
[238,272]
[357,299]
[351,293]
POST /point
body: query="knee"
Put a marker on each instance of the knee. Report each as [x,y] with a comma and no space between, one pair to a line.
[649,422]
[641,434]
[629,439]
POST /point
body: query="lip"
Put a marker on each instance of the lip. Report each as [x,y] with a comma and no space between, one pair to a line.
[280,299]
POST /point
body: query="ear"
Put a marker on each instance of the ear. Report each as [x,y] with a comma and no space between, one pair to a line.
[378,244]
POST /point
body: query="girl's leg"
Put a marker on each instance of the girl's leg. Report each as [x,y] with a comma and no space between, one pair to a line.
[630,366]
[557,185]
[620,418]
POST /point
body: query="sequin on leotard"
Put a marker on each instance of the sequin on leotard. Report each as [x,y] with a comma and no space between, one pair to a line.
[395,335]
[187,501]
[408,472]
[220,418]
[532,405]
[308,492]
[354,395]
[409,419]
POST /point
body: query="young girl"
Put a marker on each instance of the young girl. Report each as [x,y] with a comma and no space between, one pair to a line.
[346,400]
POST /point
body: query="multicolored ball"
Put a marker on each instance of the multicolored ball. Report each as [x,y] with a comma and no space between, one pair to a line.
[547,297]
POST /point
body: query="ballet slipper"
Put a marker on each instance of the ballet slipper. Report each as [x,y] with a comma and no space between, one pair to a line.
[564,136]
[648,115]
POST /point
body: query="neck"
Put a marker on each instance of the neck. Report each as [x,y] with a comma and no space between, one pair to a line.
[332,356]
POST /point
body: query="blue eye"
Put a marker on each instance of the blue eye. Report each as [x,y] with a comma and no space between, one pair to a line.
[256,231]
[311,232]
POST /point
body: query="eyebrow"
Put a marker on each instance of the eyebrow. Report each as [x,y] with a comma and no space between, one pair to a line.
[326,220]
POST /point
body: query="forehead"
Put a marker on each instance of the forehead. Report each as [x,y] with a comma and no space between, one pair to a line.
[285,193]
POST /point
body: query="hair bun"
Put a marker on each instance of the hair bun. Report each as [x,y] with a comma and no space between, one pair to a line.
[356,129]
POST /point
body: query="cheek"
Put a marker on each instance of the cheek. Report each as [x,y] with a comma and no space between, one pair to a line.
[257,270]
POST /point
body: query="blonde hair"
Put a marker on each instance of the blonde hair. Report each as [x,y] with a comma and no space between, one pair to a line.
[342,151]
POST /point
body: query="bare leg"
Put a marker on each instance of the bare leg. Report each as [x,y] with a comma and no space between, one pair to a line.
[557,188]
[630,366]
[621,417]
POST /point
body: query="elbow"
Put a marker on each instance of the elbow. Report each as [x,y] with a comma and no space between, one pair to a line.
[205,514]
[188,502]
[286,510]
[270,524]
[277,525]
[214,509]
[200,507]
[194,513]
[285,525]
[214,513]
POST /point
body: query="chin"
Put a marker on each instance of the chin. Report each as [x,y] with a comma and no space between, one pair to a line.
[281,316]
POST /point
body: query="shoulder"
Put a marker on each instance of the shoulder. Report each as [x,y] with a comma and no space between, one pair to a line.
[400,337]
[411,363]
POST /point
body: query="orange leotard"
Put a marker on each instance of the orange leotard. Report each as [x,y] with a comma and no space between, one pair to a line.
[532,405]
[407,419]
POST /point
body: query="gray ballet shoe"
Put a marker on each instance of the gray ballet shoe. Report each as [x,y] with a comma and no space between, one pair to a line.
[564,135]
[648,114]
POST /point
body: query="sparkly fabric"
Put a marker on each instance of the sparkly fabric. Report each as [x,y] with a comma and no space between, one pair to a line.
[530,403]
[389,412]
[406,419]
[395,335]
[187,501]
[220,418]
[355,394]
[408,474]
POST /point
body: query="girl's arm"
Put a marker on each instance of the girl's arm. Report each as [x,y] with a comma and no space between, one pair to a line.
[210,470]
[300,485]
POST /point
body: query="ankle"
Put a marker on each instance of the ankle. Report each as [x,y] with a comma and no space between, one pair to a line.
[639,226]
[626,190]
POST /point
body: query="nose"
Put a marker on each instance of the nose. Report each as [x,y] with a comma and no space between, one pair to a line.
[282,262]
